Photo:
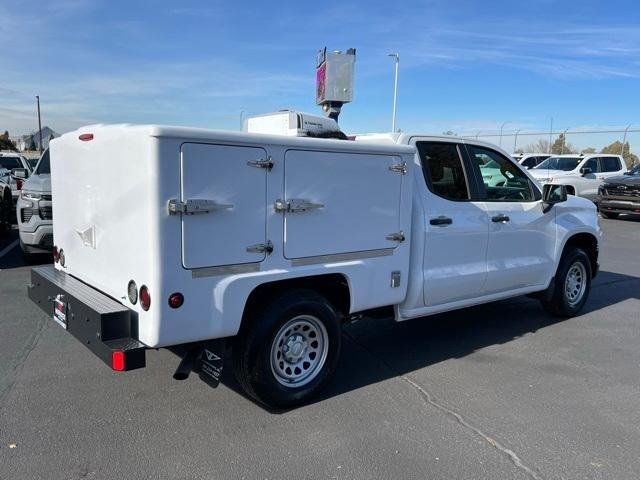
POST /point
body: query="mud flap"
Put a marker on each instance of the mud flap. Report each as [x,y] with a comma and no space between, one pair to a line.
[210,362]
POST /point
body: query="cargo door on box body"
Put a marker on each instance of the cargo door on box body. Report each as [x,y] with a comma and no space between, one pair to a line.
[221,173]
[353,198]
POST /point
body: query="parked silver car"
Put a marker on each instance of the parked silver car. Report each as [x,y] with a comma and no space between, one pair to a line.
[34,211]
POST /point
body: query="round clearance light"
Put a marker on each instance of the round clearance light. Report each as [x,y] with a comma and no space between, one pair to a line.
[145,298]
[132,291]
[176,300]
[61,258]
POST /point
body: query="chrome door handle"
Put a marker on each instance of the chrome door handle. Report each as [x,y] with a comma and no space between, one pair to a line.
[441,221]
[500,218]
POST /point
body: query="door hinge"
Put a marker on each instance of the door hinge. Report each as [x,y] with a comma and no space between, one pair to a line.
[295,205]
[400,168]
[195,206]
[267,164]
[261,248]
[396,237]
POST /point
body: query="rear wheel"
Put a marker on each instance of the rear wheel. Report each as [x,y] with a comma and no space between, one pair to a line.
[288,348]
[572,284]
[609,214]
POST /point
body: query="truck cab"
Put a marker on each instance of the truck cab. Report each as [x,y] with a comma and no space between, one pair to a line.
[479,238]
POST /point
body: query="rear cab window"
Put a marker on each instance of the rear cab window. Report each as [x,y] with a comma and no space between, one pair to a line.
[443,170]
[610,164]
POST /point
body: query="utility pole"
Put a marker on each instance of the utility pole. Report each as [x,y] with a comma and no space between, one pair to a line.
[39,123]
[550,135]
[395,90]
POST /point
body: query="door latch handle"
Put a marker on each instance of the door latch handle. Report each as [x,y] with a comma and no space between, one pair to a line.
[266,164]
[295,205]
[500,219]
[261,247]
[441,221]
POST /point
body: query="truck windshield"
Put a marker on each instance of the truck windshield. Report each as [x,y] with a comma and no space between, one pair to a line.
[44,165]
[560,163]
[635,171]
[10,162]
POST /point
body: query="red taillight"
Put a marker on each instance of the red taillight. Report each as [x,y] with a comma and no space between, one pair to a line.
[85,137]
[145,298]
[118,361]
[176,300]
[56,254]
[19,183]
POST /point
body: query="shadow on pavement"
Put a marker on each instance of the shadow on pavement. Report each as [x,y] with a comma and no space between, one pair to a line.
[374,350]
[13,258]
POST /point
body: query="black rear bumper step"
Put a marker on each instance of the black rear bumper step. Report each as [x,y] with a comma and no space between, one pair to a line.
[100,323]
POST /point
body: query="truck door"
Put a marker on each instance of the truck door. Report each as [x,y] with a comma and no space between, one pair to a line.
[522,237]
[217,180]
[457,229]
[330,206]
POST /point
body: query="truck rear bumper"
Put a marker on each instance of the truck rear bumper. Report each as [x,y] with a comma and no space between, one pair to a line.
[100,323]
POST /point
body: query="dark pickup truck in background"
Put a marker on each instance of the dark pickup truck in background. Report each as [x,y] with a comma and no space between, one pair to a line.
[620,194]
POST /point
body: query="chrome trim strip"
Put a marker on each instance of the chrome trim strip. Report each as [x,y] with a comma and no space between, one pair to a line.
[341,257]
[225,270]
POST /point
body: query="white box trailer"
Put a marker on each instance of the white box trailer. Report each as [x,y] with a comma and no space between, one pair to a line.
[168,236]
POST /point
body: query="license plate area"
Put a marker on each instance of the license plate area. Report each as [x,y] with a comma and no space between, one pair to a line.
[60,311]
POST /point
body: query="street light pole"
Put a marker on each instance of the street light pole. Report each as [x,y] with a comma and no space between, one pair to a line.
[395,90]
[502,128]
[39,123]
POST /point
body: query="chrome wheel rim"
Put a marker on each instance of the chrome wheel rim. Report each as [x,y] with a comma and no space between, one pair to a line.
[576,283]
[299,351]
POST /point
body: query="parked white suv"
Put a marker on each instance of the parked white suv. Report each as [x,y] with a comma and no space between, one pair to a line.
[530,160]
[582,174]
[34,212]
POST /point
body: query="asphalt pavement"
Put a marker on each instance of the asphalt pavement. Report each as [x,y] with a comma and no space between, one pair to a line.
[500,391]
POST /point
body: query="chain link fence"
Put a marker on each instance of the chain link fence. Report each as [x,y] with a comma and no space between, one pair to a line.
[623,141]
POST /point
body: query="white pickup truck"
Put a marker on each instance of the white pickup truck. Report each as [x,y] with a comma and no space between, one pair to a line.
[169,236]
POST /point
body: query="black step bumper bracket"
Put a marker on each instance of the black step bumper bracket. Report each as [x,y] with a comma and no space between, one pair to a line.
[100,323]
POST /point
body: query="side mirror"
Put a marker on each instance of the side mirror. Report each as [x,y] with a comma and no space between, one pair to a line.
[20,172]
[552,194]
[585,171]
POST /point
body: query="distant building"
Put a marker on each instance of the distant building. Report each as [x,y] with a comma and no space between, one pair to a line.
[28,142]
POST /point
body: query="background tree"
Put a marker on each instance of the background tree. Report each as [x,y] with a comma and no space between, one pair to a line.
[541,146]
[589,150]
[616,147]
[32,145]
[561,146]
[5,143]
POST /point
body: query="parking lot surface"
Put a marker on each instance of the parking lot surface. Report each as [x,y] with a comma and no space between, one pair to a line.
[490,392]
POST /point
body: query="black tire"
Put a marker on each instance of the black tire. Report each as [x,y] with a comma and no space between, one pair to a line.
[560,304]
[609,214]
[252,348]
[29,257]
[6,204]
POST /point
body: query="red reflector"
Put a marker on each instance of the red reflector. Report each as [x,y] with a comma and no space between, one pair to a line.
[56,255]
[176,300]
[19,183]
[118,361]
[85,137]
[145,298]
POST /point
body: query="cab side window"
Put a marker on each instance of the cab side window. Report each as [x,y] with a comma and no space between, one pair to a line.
[591,164]
[610,164]
[503,180]
[443,170]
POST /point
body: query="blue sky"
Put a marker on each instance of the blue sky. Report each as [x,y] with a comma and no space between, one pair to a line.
[465,66]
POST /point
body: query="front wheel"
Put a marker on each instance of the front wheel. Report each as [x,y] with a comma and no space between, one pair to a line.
[572,284]
[288,348]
